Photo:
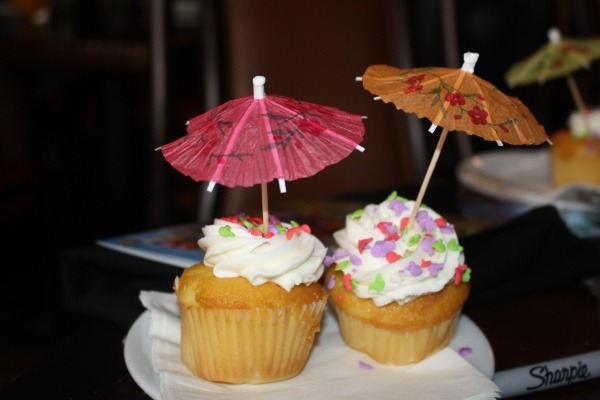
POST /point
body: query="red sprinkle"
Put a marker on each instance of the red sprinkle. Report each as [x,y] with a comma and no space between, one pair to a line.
[347,283]
[362,243]
[392,257]
[382,226]
[268,235]
[403,223]
[425,263]
[255,232]
[393,237]
[441,222]
[459,273]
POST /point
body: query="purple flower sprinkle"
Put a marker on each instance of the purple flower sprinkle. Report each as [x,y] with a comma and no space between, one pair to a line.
[355,260]
[414,269]
[397,206]
[465,351]
[365,366]
[327,261]
[425,221]
[340,253]
[434,268]
[382,247]
[331,282]
[426,245]
[448,229]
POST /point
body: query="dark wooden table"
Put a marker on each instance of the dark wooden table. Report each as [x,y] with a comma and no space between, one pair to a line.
[549,325]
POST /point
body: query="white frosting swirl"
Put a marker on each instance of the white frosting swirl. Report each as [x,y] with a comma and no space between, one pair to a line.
[287,260]
[384,262]
[585,126]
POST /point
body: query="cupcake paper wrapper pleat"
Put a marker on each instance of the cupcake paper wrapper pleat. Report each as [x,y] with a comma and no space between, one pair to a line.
[396,347]
[249,346]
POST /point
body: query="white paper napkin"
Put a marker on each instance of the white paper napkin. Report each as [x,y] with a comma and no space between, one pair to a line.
[333,370]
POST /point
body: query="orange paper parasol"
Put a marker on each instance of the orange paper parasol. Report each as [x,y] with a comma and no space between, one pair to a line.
[456,100]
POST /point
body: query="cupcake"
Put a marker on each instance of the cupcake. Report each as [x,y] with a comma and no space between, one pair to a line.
[397,291]
[251,310]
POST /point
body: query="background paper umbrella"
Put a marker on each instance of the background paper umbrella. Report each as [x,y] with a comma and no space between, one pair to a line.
[256,139]
[558,58]
[454,99]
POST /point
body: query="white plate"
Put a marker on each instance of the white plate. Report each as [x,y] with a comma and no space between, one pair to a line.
[522,180]
[139,364]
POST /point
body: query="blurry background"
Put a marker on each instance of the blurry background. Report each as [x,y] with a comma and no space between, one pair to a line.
[88,90]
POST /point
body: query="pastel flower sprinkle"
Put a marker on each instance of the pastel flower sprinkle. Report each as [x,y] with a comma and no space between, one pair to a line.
[414,269]
[435,268]
[397,206]
[331,282]
[427,246]
[357,214]
[465,351]
[392,257]
[342,265]
[414,239]
[362,244]
[340,253]
[378,284]
[328,261]
[462,274]
[225,231]
[347,282]
[454,246]
[382,247]
[439,246]
[365,366]
[355,260]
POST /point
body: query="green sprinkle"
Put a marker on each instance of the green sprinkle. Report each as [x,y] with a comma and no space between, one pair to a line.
[414,239]
[357,214]
[354,283]
[225,231]
[247,223]
[294,223]
[466,275]
[378,284]
[439,246]
[454,246]
[392,196]
[343,265]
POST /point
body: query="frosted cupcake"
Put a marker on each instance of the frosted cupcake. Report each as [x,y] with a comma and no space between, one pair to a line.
[397,292]
[251,310]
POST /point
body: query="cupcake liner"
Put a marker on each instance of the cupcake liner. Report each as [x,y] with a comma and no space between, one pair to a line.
[396,347]
[249,346]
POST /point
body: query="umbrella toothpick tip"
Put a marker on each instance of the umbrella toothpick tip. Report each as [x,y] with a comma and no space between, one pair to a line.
[359,79]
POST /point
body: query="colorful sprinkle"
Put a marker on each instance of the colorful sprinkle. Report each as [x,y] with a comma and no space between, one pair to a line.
[414,269]
[347,282]
[225,231]
[362,244]
[342,265]
[454,246]
[365,366]
[465,351]
[378,284]
[331,282]
[357,214]
[462,274]
[439,246]
[392,257]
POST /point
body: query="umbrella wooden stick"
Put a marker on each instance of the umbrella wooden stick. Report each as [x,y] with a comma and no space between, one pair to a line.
[265,206]
[578,100]
[432,163]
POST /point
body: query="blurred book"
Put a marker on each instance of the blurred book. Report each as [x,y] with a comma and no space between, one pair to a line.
[173,245]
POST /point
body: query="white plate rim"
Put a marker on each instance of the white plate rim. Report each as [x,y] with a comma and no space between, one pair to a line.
[137,352]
